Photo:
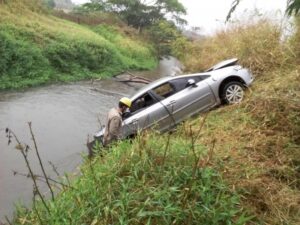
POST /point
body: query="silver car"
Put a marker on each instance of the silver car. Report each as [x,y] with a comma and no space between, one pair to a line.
[166,102]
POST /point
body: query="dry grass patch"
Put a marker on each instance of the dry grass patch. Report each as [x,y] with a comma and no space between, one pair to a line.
[257,146]
[257,45]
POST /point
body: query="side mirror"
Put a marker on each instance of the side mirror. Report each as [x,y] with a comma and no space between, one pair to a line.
[191,83]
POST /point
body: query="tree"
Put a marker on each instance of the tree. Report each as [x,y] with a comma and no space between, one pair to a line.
[49,3]
[168,39]
[293,8]
[141,13]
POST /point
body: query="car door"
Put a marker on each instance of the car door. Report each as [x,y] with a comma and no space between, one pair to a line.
[189,100]
[146,111]
[164,118]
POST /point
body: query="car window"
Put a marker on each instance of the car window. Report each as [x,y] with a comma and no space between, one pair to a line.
[181,83]
[141,103]
[165,90]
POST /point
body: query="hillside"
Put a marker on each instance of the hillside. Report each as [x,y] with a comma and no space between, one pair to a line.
[237,164]
[38,48]
[257,143]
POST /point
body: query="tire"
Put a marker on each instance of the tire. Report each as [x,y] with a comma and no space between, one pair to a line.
[233,92]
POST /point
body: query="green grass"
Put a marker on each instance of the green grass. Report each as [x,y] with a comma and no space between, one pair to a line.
[154,180]
[38,48]
[244,162]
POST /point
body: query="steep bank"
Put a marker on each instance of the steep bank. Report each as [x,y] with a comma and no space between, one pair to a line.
[38,48]
[257,143]
[237,165]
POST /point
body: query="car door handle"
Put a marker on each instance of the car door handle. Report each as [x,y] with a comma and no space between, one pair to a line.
[135,121]
[172,102]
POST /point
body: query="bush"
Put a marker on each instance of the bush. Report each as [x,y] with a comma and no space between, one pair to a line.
[20,60]
[67,57]
[167,38]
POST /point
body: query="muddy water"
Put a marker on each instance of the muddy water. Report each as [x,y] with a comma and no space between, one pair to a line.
[62,117]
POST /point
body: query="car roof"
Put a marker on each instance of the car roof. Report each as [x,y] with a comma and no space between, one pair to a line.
[161,81]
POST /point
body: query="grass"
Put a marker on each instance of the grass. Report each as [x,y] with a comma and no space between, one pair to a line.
[38,48]
[256,44]
[240,166]
[257,148]
[154,180]
[257,142]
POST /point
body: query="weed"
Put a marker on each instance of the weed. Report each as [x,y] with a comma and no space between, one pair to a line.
[155,187]
[257,142]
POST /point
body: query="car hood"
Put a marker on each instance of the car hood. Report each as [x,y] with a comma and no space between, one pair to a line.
[220,65]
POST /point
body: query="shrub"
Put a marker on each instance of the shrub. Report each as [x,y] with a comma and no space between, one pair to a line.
[20,60]
[168,40]
[66,56]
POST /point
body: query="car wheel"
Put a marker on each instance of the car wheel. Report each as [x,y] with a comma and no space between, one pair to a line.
[233,92]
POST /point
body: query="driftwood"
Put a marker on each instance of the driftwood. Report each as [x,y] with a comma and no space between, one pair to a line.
[131,78]
[135,79]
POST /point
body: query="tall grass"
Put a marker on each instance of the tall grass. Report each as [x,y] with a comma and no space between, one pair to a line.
[295,40]
[154,180]
[245,158]
[257,142]
[36,48]
[258,45]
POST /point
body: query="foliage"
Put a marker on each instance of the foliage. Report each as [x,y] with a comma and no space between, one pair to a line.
[245,158]
[49,3]
[168,39]
[126,46]
[293,7]
[91,18]
[154,180]
[37,48]
[140,14]
[234,4]
[295,40]
[257,142]
[21,61]
[256,44]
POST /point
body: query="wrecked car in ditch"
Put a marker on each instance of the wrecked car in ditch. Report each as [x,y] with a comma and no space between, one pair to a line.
[168,101]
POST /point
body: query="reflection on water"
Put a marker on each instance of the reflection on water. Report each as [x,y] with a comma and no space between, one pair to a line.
[62,116]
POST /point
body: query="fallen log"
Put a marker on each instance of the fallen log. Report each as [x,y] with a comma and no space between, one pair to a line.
[135,79]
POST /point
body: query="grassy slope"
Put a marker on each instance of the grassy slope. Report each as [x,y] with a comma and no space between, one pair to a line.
[236,161]
[36,48]
[257,143]
[154,180]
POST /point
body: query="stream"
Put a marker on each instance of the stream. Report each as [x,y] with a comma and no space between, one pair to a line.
[62,116]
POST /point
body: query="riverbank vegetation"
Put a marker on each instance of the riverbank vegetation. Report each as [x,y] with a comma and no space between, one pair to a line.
[153,180]
[258,141]
[237,164]
[38,48]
